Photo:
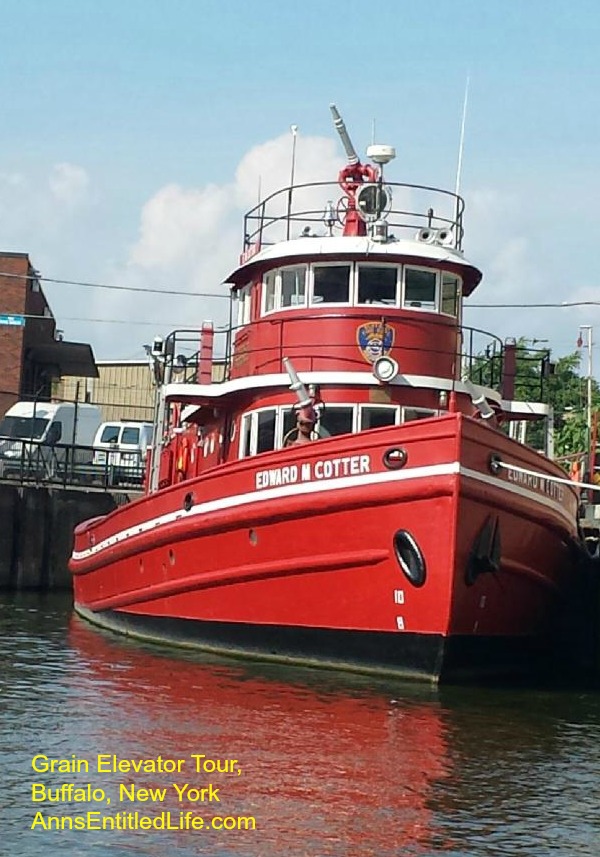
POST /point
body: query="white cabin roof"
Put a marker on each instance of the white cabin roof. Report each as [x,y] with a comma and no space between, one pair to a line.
[347,247]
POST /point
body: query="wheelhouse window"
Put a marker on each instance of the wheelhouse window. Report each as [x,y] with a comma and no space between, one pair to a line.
[244,305]
[372,416]
[420,287]
[331,284]
[293,286]
[357,284]
[270,291]
[450,294]
[377,284]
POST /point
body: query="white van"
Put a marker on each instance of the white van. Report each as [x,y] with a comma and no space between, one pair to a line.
[121,447]
[29,428]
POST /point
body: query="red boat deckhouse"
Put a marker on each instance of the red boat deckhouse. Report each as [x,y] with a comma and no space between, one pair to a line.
[350,495]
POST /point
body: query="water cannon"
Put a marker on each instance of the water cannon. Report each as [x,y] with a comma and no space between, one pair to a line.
[479,401]
[340,127]
[297,387]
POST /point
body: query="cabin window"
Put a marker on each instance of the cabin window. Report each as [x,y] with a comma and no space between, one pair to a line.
[246,435]
[110,434]
[244,305]
[450,294]
[293,286]
[265,430]
[331,284]
[270,291]
[373,416]
[377,284]
[336,420]
[411,414]
[420,288]
[258,432]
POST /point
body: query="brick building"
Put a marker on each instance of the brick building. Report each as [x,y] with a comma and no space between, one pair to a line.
[31,353]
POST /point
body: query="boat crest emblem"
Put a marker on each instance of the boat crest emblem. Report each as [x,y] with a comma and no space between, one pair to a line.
[374,339]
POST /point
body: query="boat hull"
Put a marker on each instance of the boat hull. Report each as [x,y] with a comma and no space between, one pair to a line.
[298,559]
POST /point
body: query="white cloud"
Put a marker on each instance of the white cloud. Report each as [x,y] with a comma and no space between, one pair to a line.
[68,184]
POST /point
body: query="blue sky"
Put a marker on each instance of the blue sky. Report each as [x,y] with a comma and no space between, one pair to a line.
[128,125]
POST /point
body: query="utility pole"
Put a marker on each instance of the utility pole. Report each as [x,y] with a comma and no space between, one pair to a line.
[591,452]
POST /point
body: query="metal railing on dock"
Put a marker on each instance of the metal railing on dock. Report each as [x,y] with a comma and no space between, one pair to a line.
[30,462]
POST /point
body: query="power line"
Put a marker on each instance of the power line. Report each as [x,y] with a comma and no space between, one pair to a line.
[113,287]
[560,305]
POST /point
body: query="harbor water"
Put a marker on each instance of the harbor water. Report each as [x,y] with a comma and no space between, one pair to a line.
[111,747]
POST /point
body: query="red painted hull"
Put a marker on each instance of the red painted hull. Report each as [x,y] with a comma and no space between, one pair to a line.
[294,558]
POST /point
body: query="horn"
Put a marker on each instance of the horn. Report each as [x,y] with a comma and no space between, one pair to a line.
[427,235]
[445,237]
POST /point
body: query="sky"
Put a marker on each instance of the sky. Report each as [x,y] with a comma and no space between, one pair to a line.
[134,134]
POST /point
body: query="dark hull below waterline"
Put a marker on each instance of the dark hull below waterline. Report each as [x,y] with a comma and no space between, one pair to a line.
[423,657]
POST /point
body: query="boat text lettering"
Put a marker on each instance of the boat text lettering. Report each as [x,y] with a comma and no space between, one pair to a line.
[537,483]
[327,468]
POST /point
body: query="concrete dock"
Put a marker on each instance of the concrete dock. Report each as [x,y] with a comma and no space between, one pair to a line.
[36,532]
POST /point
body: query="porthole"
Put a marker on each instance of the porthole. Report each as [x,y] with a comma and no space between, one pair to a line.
[395,458]
[409,556]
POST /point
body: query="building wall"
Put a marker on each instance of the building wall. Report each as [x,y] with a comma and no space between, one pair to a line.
[124,389]
[13,290]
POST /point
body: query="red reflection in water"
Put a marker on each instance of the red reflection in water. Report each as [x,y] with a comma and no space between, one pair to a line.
[329,766]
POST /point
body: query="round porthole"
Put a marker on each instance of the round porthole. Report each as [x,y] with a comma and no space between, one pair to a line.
[409,556]
[395,458]
[188,501]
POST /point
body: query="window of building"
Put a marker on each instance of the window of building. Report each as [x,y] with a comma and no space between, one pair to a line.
[377,284]
[450,294]
[331,284]
[420,288]
[293,286]
[377,416]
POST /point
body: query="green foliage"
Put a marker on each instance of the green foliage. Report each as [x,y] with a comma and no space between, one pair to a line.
[565,390]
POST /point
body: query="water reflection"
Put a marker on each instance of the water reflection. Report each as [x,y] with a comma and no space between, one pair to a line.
[326,766]
[332,765]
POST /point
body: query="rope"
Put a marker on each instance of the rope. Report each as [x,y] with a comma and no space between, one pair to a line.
[559,479]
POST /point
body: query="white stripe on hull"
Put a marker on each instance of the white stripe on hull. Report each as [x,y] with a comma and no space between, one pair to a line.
[307,488]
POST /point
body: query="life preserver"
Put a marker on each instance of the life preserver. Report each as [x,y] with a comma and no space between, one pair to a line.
[183,457]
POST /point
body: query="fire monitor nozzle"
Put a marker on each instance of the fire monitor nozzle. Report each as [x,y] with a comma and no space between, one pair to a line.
[344,137]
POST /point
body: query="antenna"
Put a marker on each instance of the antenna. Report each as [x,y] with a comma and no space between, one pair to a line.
[461,144]
[294,130]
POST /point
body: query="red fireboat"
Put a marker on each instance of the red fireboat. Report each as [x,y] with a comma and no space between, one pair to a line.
[354,490]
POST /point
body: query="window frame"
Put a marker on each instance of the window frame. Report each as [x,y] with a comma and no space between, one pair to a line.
[351,264]
[378,406]
[436,295]
[399,267]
